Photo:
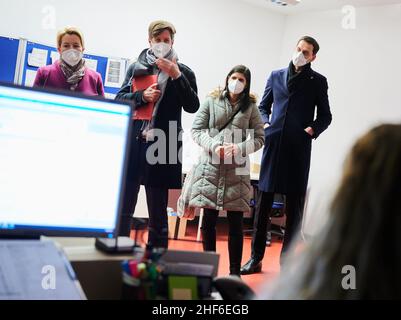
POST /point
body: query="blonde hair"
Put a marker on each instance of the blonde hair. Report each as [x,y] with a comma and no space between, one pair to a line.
[69,31]
[158,26]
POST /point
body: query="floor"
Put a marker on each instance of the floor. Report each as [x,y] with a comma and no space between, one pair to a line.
[270,269]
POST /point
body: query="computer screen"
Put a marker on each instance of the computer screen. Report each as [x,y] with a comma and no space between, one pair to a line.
[62,163]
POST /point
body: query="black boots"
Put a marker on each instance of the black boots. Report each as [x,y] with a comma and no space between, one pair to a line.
[235,236]
[235,243]
[209,239]
[252,266]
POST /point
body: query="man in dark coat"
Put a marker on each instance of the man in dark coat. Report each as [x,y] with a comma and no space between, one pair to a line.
[295,93]
[159,88]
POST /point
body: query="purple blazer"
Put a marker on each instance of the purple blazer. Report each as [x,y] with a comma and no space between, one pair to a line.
[53,77]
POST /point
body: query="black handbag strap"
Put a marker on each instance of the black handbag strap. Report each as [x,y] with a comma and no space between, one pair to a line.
[229,120]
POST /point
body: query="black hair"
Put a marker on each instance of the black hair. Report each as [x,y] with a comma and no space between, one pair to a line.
[245,96]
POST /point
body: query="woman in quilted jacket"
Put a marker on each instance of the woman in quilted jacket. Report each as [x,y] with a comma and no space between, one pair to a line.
[228,127]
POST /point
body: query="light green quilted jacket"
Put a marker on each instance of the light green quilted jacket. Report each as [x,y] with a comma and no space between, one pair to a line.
[214,183]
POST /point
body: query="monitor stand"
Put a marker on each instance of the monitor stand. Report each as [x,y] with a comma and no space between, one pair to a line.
[115,245]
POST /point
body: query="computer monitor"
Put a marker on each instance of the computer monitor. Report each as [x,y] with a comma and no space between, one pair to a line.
[62,163]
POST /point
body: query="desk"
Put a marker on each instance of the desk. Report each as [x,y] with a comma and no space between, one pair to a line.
[99,273]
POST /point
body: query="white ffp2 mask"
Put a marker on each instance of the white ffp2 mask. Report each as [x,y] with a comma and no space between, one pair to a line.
[298,59]
[161,49]
[235,86]
[72,56]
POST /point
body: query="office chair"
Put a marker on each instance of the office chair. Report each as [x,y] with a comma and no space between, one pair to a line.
[278,211]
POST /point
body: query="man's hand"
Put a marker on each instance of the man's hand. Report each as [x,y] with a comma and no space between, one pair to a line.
[169,67]
[266,125]
[309,130]
[152,94]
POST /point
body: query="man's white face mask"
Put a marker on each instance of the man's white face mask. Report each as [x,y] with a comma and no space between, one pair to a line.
[72,56]
[161,49]
[299,60]
[235,86]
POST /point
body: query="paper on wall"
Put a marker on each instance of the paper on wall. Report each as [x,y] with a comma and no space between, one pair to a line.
[30,77]
[91,63]
[37,58]
[115,73]
[54,56]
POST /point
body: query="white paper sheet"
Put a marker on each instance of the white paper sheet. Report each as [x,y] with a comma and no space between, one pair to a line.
[30,77]
[115,73]
[91,64]
[54,56]
[37,58]
[25,268]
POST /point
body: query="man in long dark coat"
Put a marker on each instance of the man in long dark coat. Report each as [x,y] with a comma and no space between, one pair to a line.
[293,94]
[160,88]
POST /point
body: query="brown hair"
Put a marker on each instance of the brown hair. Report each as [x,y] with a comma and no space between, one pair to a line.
[159,26]
[311,41]
[363,229]
[69,31]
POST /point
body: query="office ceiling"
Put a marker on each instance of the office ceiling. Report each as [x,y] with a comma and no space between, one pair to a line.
[319,5]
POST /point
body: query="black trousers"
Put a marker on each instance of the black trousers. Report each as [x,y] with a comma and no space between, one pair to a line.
[157,201]
[156,197]
[235,236]
[294,213]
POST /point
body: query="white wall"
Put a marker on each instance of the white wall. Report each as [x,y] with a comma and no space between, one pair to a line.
[363,68]
[212,35]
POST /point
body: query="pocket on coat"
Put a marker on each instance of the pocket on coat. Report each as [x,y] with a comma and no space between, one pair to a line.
[307,134]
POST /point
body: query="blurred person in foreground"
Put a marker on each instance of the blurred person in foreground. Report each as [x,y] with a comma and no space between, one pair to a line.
[357,255]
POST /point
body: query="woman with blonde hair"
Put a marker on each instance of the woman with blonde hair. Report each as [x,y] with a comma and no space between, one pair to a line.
[70,73]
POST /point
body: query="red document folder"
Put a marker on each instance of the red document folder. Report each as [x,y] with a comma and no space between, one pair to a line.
[142,83]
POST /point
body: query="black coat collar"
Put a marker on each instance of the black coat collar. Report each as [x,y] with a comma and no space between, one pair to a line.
[295,78]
